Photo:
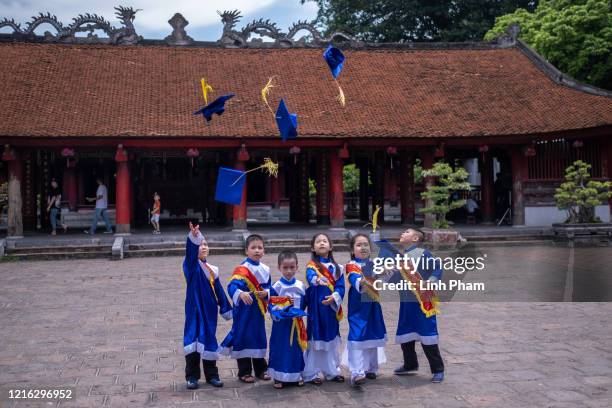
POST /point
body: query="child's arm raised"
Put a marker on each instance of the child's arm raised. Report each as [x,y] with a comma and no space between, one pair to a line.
[192,247]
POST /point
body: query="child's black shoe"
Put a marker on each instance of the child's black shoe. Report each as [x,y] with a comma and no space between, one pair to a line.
[215,382]
[192,384]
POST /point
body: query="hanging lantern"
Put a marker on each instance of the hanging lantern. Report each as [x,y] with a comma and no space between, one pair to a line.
[192,154]
[391,151]
[577,144]
[483,148]
[344,152]
[68,153]
[529,151]
[243,154]
[439,151]
[294,151]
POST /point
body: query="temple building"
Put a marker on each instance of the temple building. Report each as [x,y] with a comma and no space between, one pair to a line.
[77,106]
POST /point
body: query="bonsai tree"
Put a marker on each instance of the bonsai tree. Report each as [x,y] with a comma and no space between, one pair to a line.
[449,180]
[578,195]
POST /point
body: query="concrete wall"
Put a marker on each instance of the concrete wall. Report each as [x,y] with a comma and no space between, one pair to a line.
[537,216]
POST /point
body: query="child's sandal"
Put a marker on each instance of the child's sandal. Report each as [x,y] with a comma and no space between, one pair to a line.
[316,381]
[278,385]
[338,378]
[264,376]
[300,383]
[247,379]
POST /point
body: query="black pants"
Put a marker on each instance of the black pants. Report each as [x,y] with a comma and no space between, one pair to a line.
[247,365]
[192,367]
[432,352]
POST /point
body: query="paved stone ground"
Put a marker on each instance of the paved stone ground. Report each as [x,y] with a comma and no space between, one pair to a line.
[113,330]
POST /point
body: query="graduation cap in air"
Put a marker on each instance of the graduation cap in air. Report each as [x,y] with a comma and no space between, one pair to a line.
[386,249]
[230,183]
[287,122]
[335,59]
[217,106]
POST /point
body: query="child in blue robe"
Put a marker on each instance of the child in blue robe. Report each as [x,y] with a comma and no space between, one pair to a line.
[324,298]
[204,298]
[413,324]
[367,333]
[288,340]
[249,288]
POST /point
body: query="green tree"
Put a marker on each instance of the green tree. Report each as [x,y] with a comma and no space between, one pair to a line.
[578,195]
[575,36]
[350,178]
[414,20]
[448,181]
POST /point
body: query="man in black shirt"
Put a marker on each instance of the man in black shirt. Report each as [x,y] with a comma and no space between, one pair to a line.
[54,200]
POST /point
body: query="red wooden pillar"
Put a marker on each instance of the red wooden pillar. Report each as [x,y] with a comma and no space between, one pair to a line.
[322,189]
[519,175]
[406,187]
[275,189]
[122,192]
[240,211]
[15,202]
[608,168]
[486,185]
[427,162]
[336,190]
[69,186]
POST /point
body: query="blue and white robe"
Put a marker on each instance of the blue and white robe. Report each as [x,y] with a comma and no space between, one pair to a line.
[202,303]
[367,333]
[323,354]
[286,361]
[247,338]
[412,323]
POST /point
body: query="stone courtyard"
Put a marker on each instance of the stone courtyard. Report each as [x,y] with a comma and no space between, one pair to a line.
[113,332]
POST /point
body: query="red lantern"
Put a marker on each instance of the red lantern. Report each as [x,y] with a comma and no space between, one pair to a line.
[192,154]
[577,144]
[344,152]
[483,148]
[529,151]
[243,154]
[294,151]
[439,151]
[68,153]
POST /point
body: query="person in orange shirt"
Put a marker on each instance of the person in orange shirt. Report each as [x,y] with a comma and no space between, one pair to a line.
[155,213]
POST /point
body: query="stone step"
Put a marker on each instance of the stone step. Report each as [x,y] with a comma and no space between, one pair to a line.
[53,256]
[55,249]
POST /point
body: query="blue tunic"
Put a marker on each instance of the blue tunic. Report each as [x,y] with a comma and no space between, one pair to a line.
[323,326]
[366,322]
[202,303]
[286,361]
[247,338]
[412,323]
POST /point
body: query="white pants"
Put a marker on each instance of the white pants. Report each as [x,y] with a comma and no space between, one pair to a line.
[321,361]
[364,361]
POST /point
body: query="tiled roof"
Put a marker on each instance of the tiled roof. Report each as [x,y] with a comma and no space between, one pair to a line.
[102,90]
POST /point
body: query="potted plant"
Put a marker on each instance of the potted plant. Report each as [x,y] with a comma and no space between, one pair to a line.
[579,195]
[441,201]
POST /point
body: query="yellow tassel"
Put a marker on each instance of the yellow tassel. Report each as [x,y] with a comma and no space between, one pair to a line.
[375,219]
[205,88]
[268,167]
[341,98]
[265,91]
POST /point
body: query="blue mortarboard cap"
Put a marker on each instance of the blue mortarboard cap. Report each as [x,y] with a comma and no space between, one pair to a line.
[386,249]
[227,191]
[287,122]
[217,106]
[288,312]
[335,59]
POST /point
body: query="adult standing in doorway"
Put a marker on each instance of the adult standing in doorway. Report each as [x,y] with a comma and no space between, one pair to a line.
[101,200]
[54,200]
